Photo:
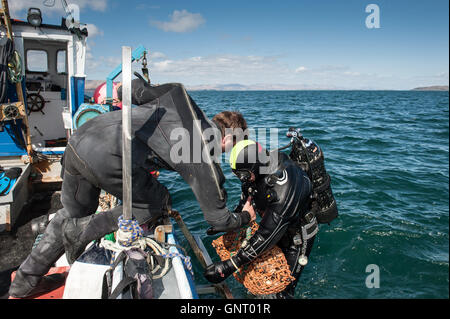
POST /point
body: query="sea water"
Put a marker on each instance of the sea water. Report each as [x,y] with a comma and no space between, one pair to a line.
[388,156]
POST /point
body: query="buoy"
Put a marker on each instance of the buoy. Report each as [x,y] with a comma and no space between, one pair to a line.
[100,94]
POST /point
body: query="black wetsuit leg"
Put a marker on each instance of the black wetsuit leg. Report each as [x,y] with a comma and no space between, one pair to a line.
[79,197]
[79,193]
[292,254]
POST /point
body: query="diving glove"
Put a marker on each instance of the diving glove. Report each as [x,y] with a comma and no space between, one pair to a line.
[219,271]
[244,218]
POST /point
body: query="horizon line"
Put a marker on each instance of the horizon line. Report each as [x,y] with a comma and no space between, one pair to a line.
[260,87]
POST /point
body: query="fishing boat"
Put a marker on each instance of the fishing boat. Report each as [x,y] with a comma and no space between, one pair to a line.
[44,103]
[44,88]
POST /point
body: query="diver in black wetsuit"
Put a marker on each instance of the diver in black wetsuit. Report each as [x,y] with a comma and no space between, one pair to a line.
[280,192]
[93,161]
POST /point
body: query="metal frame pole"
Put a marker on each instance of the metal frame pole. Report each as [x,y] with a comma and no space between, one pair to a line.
[126,133]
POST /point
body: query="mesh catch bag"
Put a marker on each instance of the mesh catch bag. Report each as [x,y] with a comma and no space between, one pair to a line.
[268,274]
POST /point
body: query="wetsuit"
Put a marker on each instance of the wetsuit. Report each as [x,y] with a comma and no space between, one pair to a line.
[282,198]
[93,161]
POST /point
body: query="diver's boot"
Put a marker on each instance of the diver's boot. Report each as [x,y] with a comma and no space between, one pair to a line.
[30,278]
[25,286]
[74,237]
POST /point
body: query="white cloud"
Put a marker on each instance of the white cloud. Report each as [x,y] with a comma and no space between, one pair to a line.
[93,30]
[255,72]
[216,64]
[156,55]
[258,72]
[300,69]
[180,21]
[223,68]
[352,73]
[100,66]
[91,63]
[163,66]
[442,75]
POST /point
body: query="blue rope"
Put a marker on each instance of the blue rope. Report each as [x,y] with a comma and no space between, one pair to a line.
[186,260]
[128,226]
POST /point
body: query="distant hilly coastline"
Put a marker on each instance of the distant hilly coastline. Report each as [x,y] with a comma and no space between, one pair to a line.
[432,88]
[93,84]
[257,87]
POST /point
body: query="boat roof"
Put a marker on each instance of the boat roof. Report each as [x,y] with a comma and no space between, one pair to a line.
[62,27]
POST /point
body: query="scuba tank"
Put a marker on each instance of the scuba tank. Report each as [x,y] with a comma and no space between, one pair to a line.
[309,156]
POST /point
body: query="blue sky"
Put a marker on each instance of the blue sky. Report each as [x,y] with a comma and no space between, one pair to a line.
[292,44]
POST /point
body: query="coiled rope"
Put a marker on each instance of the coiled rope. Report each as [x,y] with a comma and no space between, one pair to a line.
[129,233]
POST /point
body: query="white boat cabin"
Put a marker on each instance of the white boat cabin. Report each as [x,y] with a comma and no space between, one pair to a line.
[53,79]
[54,72]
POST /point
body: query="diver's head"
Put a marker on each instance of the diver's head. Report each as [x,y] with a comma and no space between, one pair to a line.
[233,128]
[248,160]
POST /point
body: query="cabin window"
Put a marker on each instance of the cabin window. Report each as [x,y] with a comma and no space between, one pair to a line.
[61,61]
[37,61]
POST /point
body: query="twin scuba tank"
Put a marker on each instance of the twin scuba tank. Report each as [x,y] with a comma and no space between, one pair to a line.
[309,156]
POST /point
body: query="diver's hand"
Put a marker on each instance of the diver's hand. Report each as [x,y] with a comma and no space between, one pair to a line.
[219,271]
[248,207]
